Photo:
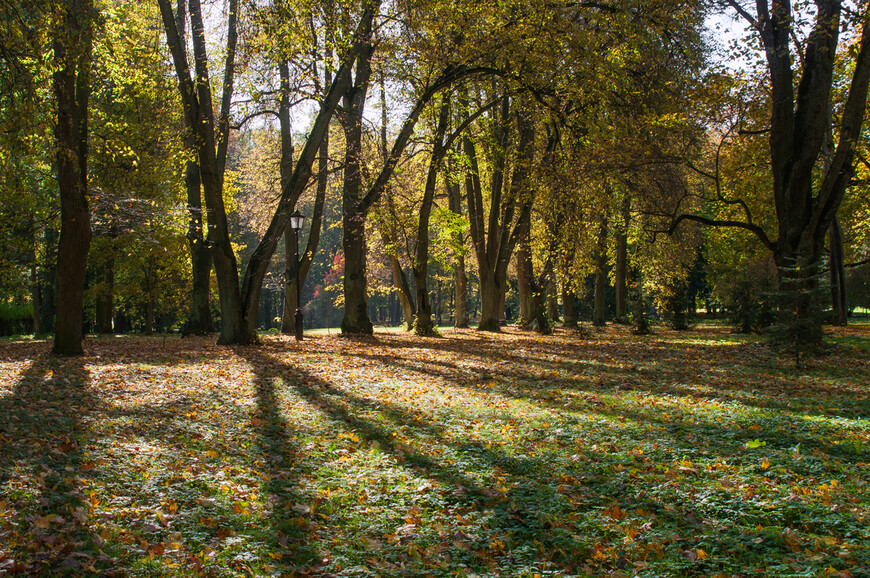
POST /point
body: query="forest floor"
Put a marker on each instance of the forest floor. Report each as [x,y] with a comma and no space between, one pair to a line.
[700,453]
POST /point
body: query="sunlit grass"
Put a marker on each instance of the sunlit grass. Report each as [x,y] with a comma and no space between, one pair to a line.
[473,454]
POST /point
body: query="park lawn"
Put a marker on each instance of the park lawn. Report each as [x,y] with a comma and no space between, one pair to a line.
[699,453]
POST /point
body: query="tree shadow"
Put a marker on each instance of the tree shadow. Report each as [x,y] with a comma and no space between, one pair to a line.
[41,475]
[521,504]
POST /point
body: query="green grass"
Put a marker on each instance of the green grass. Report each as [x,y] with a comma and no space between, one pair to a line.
[678,454]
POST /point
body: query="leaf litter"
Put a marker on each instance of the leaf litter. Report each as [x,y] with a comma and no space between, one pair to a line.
[474,454]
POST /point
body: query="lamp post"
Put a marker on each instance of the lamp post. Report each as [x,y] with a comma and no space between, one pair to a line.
[296,221]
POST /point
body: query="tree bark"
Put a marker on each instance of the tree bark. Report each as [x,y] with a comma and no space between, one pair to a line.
[599,313]
[403,289]
[423,322]
[199,113]
[105,298]
[552,297]
[570,313]
[200,321]
[150,284]
[838,273]
[71,81]
[621,278]
[798,131]
[490,246]
[524,278]
[460,278]
[356,317]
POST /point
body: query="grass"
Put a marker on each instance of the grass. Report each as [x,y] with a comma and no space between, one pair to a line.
[694,454]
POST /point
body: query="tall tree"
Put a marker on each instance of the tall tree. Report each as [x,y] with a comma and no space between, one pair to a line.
[211,135]
[199,321]
[73,42]
[800,77]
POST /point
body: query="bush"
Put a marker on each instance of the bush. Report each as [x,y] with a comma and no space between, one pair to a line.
[16,319]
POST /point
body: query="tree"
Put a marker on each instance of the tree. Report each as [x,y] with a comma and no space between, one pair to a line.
[799,79]
[239,307]
[73,41]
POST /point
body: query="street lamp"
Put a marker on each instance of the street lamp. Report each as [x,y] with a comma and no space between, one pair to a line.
[296,221]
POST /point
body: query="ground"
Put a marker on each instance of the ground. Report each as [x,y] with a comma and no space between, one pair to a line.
[697,453]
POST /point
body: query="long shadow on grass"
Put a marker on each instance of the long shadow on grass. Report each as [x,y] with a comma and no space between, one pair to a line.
[42,434]
[718,430]
[522,507]
[650,367]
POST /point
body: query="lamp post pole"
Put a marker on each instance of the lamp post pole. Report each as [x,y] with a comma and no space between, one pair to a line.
[296,221]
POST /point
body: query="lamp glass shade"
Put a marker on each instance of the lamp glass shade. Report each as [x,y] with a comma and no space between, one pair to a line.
[296,221]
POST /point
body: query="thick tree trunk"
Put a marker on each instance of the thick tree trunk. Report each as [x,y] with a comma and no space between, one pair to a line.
[491,306]
[494,243]
[71,80]
[800,299]
[535,300]
[356,317]
[211,152]
[200,321]
[799,129]
[262,255]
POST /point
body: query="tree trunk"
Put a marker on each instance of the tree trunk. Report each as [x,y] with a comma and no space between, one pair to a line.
[71,80]
[460,279]
[552,297]
[105,298]
[200,321]
[798,270]
[599,315]
[490,302]
[48,281]
[494,244]
[34,280]
[262,255]
[570,313]
[620,279]
[34,296]
[211,152]
[638,305]
[150,284]
[403,291]
[356,317]
[838,273]
[423,322]
[524,279]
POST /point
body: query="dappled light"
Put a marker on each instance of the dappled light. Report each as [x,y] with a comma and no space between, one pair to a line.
[508,454]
